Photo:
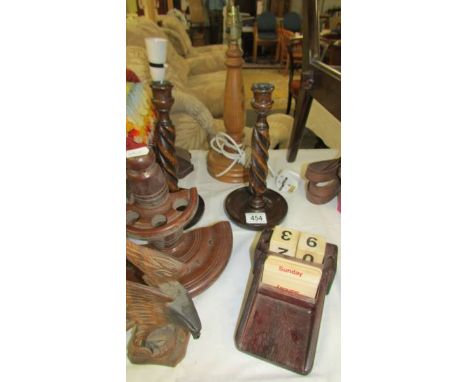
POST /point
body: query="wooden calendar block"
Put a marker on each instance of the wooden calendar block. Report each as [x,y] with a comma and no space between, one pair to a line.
[284,241]
[280,326]
[311,248]
[293,276]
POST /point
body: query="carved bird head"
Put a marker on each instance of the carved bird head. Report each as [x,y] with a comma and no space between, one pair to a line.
[181,309]
[157,306]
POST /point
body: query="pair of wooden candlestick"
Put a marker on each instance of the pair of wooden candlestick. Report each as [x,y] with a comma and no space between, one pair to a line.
[252,207]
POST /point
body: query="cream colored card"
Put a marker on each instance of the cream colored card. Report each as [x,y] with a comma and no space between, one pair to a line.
[292,275]
[284,241]
[311,248]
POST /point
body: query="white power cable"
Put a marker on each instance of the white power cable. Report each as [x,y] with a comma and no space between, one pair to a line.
[239,156]
[222,141]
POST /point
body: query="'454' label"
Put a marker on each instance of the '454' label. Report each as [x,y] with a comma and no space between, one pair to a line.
[255,218]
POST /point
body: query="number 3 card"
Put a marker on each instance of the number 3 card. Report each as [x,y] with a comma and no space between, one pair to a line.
[284,241]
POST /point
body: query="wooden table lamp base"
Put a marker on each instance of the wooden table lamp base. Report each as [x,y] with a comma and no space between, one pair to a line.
[217,163]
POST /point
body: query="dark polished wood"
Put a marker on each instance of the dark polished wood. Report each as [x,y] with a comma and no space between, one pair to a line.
[184,165]
[164,137]
[318,80]
[237,204]
[158,216]
[256,197]
[278,326]
[174,162]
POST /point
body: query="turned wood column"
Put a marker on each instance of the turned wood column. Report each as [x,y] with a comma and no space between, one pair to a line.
[260,144]
[164,137]
[256,206]
[234,107]
[164,143]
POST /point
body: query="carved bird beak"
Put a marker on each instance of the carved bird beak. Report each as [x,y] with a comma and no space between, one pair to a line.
[181,309]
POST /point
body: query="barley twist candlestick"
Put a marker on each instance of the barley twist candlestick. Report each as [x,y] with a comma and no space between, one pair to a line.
[260,145]
[164,141]
[256,206]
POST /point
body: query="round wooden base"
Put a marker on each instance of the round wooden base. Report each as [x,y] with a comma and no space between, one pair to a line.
[237,204]
[206,250]
[217,163]
[198,215]
[184,165]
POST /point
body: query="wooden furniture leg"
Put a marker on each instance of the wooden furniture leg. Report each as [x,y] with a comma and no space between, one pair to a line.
[254,54]
[318,80]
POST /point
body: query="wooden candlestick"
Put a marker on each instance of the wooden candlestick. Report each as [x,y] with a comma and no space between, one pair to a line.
[257,198]
[164,142]
[234,118]
[158,216]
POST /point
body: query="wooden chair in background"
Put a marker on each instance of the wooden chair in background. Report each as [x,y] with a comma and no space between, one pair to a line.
[319,81]
[265,33]
[291,26]
[294,51]
[197,22]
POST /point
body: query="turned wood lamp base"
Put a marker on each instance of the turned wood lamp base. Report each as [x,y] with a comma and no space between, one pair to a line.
[237,204]
[217,163]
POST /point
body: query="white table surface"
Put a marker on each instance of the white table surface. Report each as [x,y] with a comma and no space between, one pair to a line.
[214,357]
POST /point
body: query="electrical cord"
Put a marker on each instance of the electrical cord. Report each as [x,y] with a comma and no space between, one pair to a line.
[222,141]
[237,153]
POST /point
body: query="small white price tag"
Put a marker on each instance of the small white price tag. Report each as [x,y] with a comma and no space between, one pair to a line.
[255,218]
[137,152]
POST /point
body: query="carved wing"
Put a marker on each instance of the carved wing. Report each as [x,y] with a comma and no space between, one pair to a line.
[146,305]
[156,266]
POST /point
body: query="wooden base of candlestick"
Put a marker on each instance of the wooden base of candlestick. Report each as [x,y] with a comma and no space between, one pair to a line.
[217,163]
[237,204]
[184,165]
[198,215]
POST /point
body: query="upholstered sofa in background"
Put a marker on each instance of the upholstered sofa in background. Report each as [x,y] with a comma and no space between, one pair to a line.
[177,34]
[198,97]
[196,76]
